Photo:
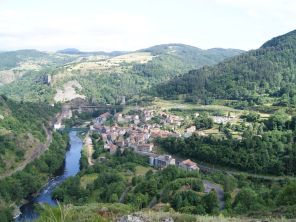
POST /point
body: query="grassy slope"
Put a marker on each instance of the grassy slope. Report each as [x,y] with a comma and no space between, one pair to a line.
[111,212]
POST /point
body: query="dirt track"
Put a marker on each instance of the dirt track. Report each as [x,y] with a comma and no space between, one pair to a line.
[89,149]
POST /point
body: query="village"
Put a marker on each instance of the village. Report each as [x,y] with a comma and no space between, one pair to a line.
[138,130]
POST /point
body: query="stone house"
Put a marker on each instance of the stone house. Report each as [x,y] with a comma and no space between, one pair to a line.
[188,165]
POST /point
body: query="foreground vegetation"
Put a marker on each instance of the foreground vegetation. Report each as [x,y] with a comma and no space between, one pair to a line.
[126,178]
[28,182]
[243,197]
[123,178]
[112,212]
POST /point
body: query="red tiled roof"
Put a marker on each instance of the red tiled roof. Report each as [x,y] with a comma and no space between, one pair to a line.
[188,162]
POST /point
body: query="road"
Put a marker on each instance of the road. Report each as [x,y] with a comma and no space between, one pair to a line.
[208,169]
[219,191]
[89,149]
[40,148]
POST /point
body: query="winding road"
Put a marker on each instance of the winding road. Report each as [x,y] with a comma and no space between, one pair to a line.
[37,151]
[209,186]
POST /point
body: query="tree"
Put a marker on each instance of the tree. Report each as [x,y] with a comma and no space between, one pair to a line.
[228,201]
[287,195]
[293,123]
[204,122]
[251,117]
[6,214]
[278,120]
[140,200]
[114,198]
[177,202]
[246,200]
[210,202]
[229,183]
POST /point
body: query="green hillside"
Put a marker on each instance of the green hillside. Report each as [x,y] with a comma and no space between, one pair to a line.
[105,77]
[22,131]
[14,59]
[29,152]
[266,72]
[17,64]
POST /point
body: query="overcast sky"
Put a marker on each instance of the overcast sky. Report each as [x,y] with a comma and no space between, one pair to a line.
[133,24]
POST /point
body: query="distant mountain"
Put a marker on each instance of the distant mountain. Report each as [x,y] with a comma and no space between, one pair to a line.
[15,64]
[193,54]
[12,59]
[73,51]
[171,60]
[70,51]
[269,71]
[104,76]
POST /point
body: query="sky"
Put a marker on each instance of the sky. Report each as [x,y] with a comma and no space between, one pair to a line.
[93,25]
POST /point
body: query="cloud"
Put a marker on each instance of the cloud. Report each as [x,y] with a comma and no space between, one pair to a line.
[269,9]
[106,31]
[132,24]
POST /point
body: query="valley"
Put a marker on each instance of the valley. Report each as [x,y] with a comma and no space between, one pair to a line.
[122,143]
[171,132]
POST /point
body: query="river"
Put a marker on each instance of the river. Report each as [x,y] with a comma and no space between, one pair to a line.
[71,168]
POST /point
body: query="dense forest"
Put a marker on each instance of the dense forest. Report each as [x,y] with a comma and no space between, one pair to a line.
[116,180]
[24,183]
[266,72]
[266,147]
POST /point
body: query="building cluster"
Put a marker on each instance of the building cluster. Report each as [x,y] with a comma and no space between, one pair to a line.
[129,131]
[172,119]
[223,119]
[138,132]
[163,161]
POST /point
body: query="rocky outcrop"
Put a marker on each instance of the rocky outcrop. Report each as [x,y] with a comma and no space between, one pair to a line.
[141,218]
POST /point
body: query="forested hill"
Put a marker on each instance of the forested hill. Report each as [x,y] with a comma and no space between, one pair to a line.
[103,77]
[193,55]
[269,71]
[13,58]
[170,60]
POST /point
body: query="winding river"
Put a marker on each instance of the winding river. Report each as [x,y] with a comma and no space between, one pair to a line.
[71,168]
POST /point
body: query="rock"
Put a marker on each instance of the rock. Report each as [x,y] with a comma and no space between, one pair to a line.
[139,218]
[169,219]
[131,218]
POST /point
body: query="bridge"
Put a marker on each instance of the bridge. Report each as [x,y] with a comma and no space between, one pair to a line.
[77,129]
[97,107]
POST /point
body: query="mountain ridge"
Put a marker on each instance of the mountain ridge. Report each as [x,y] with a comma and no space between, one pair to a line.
[269,71]
[118,74]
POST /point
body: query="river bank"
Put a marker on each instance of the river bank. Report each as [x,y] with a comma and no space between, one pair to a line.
[71,168]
